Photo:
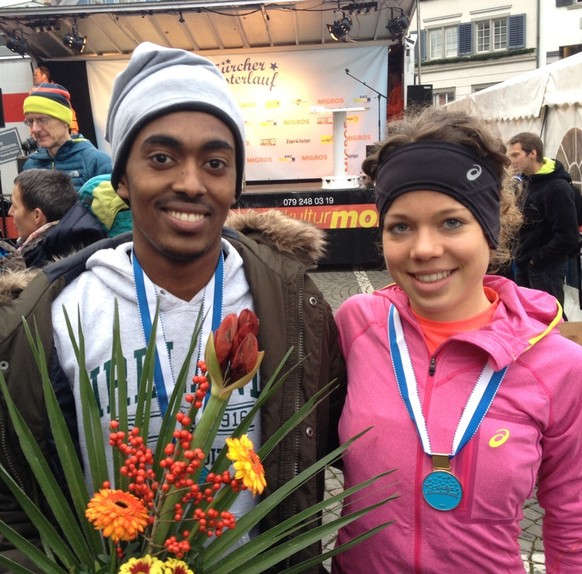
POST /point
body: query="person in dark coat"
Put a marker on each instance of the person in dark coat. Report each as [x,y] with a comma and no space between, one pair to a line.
[550,233]
[51,221]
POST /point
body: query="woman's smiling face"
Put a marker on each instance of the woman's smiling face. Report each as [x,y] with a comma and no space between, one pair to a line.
[437,252]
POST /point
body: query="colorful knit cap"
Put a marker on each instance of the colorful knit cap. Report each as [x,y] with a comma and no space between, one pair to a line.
[51,100]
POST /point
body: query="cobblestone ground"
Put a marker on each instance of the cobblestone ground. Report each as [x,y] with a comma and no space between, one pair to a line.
[339,283]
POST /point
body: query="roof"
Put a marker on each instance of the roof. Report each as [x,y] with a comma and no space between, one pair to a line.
[525,95]
[114,30]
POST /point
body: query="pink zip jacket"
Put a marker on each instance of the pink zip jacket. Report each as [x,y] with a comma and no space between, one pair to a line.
[533,430]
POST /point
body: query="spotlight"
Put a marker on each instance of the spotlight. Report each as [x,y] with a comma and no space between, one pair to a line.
[340,28]
[17,43]
[74,40]
[398,25]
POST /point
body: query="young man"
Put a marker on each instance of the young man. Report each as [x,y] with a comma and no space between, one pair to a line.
[550,233]
[41,75]
[48,114]
[50,219]
[177,139]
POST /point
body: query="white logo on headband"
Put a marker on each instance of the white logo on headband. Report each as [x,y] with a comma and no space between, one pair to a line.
[474,173]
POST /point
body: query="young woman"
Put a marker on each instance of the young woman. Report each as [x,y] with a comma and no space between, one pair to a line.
[472,394]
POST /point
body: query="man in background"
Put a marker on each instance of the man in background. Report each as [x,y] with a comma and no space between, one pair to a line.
[48,114]
[550,233]
[42,75]
[50,219]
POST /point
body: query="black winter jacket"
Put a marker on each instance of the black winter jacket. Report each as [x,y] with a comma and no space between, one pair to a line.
[550,230]
[75,230]
[292,312]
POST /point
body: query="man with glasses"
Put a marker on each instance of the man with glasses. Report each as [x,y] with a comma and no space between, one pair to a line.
[42,75]
[48,114]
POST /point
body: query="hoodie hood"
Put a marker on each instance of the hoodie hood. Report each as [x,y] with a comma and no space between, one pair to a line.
[551,169]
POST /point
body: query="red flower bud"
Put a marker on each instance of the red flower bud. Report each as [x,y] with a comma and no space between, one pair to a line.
[224,337]
[245,357]
[248,318]
[247,323]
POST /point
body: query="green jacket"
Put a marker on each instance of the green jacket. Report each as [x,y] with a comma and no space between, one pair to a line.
[277,253]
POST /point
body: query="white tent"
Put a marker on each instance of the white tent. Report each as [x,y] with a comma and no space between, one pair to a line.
[546,101]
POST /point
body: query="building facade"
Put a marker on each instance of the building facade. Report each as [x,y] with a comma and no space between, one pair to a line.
[464,47]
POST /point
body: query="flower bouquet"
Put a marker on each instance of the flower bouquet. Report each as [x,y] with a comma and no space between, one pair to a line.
[162,509]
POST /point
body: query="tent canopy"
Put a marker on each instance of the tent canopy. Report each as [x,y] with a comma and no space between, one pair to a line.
[526,95]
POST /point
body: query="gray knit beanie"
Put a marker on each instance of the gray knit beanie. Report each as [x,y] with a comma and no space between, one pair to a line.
[158,81]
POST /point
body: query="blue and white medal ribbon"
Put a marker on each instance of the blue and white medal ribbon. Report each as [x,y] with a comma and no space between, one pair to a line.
[441,489]
[147,298]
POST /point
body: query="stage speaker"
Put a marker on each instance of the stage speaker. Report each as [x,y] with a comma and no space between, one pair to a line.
[2,123]
[419,96]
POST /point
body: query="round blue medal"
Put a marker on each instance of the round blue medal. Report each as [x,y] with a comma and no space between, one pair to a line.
[442,490]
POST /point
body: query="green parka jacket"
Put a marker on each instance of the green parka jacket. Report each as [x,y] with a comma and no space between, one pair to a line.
[277,252]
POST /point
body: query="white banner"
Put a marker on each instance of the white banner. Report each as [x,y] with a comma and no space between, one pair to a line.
[286,98]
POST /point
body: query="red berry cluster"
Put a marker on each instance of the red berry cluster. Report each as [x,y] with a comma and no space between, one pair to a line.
[181,466]
[202,387]
[138,462]
[213,522]
[178,547]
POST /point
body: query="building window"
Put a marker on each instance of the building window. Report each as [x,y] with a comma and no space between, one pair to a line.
[468,38]
[442,97]
[443,42]
[491,35]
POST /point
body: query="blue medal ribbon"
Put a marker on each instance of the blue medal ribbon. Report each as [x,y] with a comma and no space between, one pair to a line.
[477,405]
[147,301]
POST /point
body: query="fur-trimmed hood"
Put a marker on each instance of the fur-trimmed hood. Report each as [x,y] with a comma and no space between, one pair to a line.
[13,282]
[286,234]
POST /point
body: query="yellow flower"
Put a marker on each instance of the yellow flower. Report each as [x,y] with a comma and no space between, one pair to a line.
[247,464]
[145,565]
[173,566]
[119,514]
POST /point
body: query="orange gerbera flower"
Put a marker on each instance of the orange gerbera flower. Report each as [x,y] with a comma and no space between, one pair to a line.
[247,464]
[174,566]
[145,565]
[119,514]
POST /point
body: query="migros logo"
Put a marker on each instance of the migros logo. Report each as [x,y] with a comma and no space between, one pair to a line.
[359,138]
[259,159]
[297,122]
[314,157]
[327,101]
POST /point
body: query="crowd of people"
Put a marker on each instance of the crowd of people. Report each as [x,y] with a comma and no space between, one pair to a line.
[472,395]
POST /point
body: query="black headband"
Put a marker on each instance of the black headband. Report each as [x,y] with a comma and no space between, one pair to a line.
[447,168]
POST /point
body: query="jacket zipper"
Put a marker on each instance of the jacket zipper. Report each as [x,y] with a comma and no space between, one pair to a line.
[9,462]
[432,366]
[418,541]
[300,354]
